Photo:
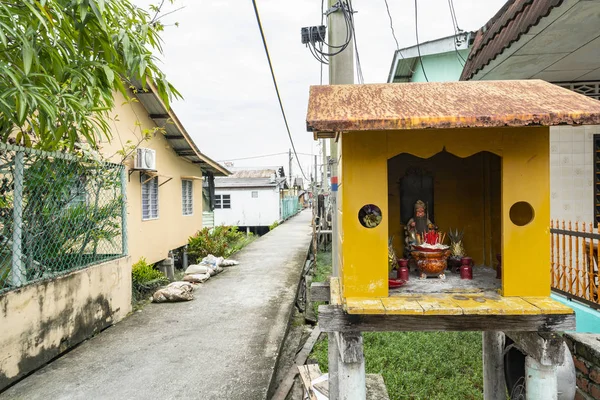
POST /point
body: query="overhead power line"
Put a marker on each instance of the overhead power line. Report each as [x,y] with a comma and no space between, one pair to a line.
[387,7]
[264,156]
[287,127]
[457,31]
[417,36]
[350,16]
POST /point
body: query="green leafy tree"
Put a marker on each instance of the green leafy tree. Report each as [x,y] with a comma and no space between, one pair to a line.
[61,62]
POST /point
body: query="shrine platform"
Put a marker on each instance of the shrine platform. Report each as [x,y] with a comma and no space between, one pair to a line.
[450,304]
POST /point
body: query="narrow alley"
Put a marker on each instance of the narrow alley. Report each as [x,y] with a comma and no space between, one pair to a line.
[222,345]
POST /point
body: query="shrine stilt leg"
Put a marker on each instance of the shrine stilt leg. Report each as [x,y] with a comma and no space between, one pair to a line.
[494,385]
[540,380]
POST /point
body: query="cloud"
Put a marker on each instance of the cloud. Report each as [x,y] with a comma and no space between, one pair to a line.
[216,59]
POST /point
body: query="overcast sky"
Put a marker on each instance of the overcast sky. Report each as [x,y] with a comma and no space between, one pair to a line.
[215,58]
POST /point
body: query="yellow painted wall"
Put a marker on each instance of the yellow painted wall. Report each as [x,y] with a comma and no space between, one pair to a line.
[525,177]
[364,181]
[153,239]
[462,199]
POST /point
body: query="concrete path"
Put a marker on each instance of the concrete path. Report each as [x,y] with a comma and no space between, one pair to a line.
[222,345]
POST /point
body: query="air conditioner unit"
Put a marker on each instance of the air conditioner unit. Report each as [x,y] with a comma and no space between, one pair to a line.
[145,159]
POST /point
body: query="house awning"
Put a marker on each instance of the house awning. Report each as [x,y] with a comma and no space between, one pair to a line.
[176,135]
[443,105]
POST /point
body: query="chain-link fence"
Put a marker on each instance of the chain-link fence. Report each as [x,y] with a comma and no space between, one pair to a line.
[290,206]
[58,213]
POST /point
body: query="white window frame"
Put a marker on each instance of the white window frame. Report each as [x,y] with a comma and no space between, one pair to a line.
[220,201]
[187,194]
[223,201]
[152,184]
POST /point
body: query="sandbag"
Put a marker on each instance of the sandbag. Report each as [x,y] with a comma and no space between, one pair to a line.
[215,270]
[228,263]
[197,269]
[176,291]
[185,286]
[196,278]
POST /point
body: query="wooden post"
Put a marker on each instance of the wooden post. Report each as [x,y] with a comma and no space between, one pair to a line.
[184,258]
[352,383]
[333,356]
[494,385]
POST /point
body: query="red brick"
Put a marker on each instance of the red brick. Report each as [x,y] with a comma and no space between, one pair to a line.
[595,391]
[583,383]
[580,396]
[595,374]
[580,364]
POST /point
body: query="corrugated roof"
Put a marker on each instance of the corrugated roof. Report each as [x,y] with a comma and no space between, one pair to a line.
[176,135]
[254,173]
[250,178]
[514,19]
[441,105]
[230,182]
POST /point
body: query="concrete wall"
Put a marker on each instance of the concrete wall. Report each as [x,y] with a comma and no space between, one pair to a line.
[40,321]
[153,239]
[572,173]
[248,211]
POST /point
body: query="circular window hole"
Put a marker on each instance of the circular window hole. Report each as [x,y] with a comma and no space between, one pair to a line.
[521,213]
[370,216]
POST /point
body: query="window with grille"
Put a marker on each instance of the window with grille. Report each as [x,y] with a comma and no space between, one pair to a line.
[187,197]
[149,197]
[222,201]
[255,194]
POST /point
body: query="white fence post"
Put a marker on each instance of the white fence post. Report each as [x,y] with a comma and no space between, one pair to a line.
[18,273]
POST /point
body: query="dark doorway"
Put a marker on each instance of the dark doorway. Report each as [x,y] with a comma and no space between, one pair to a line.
[416,184]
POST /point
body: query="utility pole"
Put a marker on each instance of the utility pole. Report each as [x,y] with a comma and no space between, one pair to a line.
[290,169]
[324,165]
[341,72]
[347,378]
[315,179]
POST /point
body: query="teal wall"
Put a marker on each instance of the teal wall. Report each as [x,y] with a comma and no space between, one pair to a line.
[587,319]
[445,67]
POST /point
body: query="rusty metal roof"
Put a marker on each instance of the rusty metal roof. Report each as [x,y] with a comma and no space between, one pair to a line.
[441,105]
[514,19]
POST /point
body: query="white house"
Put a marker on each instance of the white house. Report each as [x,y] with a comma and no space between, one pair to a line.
[249,198]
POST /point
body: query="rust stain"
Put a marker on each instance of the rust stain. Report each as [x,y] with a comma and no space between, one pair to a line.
[446,105]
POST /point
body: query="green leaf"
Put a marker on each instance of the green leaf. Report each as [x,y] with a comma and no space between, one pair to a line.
[27,57]
[110,75]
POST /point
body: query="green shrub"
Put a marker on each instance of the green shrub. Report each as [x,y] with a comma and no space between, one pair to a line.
[220,241]
[145,279]
[273,225]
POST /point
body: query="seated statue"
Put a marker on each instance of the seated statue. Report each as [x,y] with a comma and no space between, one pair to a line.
[417,225]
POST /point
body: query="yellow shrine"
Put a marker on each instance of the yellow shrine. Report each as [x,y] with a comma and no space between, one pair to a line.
[484,150]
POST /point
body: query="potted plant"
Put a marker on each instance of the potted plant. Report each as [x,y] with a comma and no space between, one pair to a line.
[456,248]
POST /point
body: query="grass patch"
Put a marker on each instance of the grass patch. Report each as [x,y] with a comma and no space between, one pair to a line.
[422,365]
[417,365]
[323,268]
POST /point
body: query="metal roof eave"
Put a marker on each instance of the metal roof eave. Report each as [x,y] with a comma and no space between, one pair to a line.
[176,135]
